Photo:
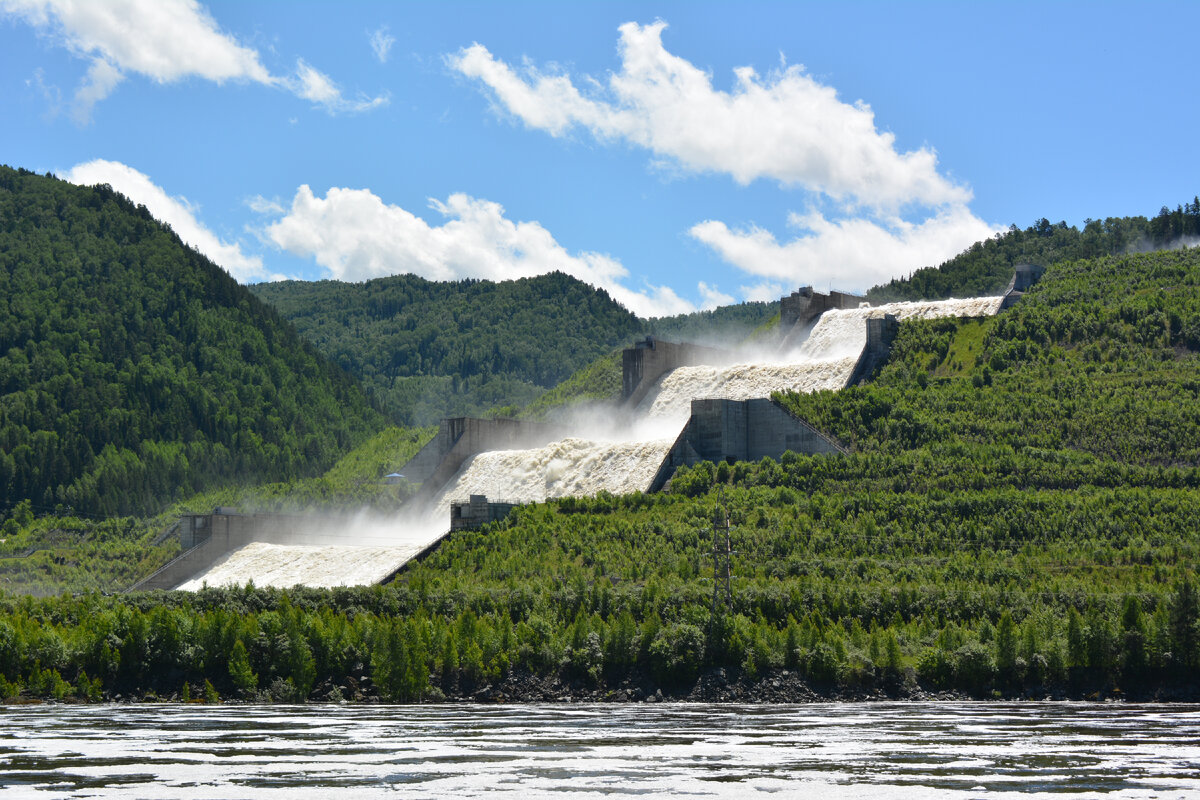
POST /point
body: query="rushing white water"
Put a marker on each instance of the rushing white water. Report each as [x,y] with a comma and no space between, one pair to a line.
[835,751]
[566,468]
[842,333]
[283,566]
[825,360]
[672,399]
[579,467]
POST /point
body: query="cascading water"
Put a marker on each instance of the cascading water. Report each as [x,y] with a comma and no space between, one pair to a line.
[825,360]
[672,398]
[842,333]
[283,566]
[567,468]
[580,467]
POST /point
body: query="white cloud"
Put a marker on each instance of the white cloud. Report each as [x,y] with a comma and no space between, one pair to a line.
[354,235]
[381,43]
[847,253]
[175,211]
[165,41]
[785,126]
[711,297]
[763,292]
[262,205]
[102,78]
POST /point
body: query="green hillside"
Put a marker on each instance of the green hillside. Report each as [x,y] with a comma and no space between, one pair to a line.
[429,350]
[986,267]
[1016,518]
[133,370]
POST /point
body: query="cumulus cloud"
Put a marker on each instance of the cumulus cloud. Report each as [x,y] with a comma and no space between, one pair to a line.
[851,253]
[381,43]
[711,297]
[165,41]
[784,126]
[354,235]
[175,211]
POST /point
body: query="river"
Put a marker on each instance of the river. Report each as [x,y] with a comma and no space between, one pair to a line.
[830,751]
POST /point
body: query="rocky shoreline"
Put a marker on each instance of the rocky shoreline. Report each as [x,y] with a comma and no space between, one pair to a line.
[781,687]
[776,687]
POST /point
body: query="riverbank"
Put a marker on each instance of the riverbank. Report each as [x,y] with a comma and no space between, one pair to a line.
[716,686]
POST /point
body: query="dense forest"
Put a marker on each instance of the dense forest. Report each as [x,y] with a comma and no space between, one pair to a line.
[428,350]
[1016,517]
[133,370]
[986,267]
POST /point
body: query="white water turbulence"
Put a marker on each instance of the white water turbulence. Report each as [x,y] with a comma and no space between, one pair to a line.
[285,565]
[672,398]
[825,360]
[842,333]
[355,550]
[566,468]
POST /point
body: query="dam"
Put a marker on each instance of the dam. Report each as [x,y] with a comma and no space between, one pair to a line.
[681,404]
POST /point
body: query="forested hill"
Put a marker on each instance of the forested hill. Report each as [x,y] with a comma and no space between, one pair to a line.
[435,349]
[431,349]
[986,267]
[134,370]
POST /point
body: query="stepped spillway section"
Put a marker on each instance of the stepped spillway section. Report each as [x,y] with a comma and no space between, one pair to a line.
[567,468]
[842,333]
[825,360]
[672,398]
[285,565]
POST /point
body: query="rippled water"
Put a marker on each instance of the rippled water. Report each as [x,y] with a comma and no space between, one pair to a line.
[907,750]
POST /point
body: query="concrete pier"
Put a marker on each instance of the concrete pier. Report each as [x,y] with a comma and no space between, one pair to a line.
[740,430]
[648,360]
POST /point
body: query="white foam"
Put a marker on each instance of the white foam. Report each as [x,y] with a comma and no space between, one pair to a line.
[672,398]
[579,467]
[325,566]
[825,360]
[566,468]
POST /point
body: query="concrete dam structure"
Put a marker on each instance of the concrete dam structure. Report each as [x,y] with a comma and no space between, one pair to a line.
[682,404]
[282,550]
[740,430]
[648,360]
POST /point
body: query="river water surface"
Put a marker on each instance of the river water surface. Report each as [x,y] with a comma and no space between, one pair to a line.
[836,750]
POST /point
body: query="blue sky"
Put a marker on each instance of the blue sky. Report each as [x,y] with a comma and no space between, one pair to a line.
[678,154]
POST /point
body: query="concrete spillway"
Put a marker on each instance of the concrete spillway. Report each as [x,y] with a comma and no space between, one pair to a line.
[672,398]
[824,360]
[579,467]
[461,462]
[841,333]
[566,468]
[283,566]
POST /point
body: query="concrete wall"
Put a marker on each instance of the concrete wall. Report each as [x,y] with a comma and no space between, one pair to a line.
[205,538]
[648,360]
[803,306]
[740,430]
[881,333]
[477,512]
[459,438]
[1024,276]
